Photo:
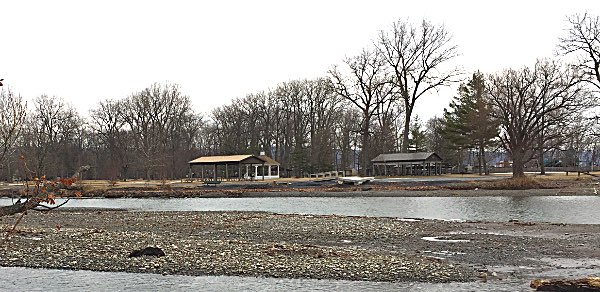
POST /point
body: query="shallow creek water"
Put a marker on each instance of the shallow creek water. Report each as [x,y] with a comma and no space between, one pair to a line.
[556,209]
[24,279]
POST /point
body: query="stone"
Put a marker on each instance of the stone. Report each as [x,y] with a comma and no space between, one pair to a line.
[148,251]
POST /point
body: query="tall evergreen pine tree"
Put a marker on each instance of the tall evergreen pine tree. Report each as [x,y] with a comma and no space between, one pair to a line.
[468,122]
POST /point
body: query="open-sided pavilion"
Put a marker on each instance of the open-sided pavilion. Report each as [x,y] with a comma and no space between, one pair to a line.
[417,163]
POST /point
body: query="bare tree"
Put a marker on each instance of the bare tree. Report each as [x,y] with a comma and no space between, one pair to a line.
[159,118]
[388,127]
[417,55]
[49,135]
[536,103]
[229,127]
[294,101]
[294,123]
[367,86]
[12,117]
[583,40]
[324,108]
[347,137]
[107,123]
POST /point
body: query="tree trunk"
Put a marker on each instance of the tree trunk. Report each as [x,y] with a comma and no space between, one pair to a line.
[364,153]
[406,130]
[13,209]
[461,158]
[518,166]
[594,154]
[541,162]
[541,153]
[485,167]
[480,158]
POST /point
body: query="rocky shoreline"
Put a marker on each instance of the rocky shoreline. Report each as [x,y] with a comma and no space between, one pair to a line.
[323,191]
[292,246]
[355,192]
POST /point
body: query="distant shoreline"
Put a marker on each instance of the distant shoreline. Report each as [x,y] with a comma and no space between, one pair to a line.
[317,193]
[419,187]
[353,193]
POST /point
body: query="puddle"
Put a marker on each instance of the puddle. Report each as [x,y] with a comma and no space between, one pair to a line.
[565,263]
[476,233]
[442,255]
[443,239]
[568,273]
[515,233]
[513,269]
[409,219]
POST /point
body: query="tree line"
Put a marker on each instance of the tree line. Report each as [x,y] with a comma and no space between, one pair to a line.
[359,109]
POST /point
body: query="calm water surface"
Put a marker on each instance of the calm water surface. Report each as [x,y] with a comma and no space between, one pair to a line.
[24,279]
[557,209]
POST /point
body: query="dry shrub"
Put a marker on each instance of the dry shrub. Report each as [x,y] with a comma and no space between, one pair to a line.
[422,188]
[518,183]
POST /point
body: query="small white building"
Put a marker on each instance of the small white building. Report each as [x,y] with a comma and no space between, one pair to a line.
[270,168]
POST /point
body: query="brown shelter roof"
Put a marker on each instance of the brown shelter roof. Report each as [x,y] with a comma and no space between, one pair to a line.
[407,157]
[268,160]
[227,159]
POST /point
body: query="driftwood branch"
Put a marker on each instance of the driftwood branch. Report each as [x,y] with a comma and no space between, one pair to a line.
[45,208]
[587,284]
[15,208]
[38,197]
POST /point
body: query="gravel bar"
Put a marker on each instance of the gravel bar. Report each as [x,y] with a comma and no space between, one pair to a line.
[217,243]
[261,244]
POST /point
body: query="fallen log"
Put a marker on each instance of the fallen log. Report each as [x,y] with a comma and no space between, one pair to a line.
[15,208]
[589,284]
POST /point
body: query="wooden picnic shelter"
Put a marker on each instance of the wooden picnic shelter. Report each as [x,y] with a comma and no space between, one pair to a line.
[230,166]
[417,163]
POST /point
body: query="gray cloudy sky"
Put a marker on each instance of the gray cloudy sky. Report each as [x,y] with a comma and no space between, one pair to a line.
[87,51]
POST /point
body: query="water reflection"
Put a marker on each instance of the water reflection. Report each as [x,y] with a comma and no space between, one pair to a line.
[558,209]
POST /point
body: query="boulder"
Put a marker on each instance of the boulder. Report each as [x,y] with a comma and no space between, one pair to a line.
[148,251]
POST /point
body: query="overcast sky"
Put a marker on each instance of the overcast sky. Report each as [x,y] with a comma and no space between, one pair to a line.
[88,51]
